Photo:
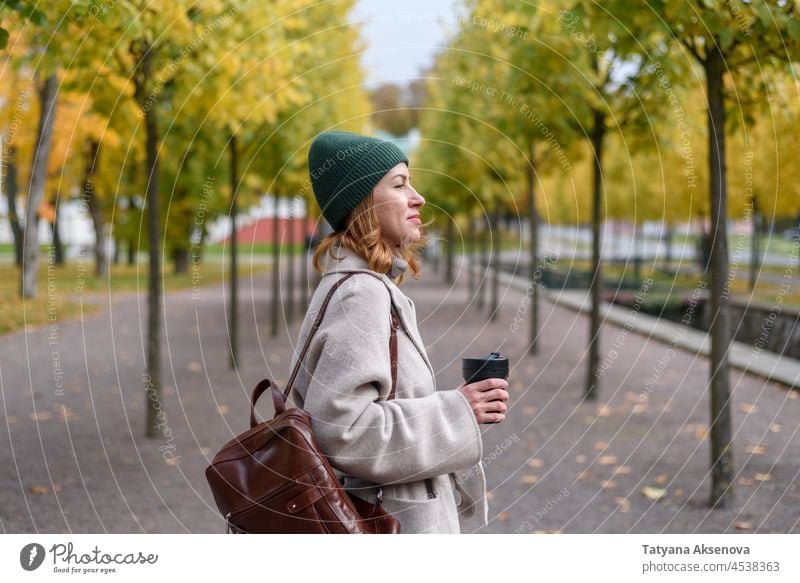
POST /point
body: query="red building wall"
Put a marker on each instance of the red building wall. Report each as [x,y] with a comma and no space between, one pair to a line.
[261,231]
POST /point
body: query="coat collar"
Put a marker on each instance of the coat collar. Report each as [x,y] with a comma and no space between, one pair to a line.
[353,263]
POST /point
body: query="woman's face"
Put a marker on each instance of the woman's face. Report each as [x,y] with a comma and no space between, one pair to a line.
[397,205]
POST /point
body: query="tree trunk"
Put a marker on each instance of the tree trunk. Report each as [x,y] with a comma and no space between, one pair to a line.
[233,304]
[115,256]
[152,378]
[437,252]
[306,279]
[592,377]
[755,254]
[470,256]
[290,224]
[448,266]
[495,263]
[484,263]
[637,255]
[534,269]
[180,260]
[306,258]
[720,427]
[276,276]
[10,190]
[48,97]
[668,254]
[132,243]
[99,224]
[58,245]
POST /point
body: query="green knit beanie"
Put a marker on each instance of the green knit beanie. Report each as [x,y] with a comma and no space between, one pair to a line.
[344,168]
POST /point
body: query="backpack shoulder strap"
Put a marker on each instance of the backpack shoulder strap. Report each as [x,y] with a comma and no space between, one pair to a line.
[395,323]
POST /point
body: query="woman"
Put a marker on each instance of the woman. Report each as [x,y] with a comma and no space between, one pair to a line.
[424,446]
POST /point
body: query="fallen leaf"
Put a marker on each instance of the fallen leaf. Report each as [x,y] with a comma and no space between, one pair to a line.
[763,477]
[604,411]
[529,410]
[662,479]
[600,445]
[205,450]
[222,409]
[678,492]
[41,416]
[792,395]
[747,408]
[490,495]
[623,470]
[608,484]
[746,482]
[580,458]
[39,490]
[536,463]
[547,532]
[503,516]
[194,366]
[66,411]
[639,408]
[529,479]
[608,460]
[173,461]
[11,419]
[654,493]
[775,428]
[517,386]
[636,397]
[743,526]
[584,474]
[755,449]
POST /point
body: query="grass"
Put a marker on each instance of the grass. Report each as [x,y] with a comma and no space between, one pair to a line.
[684,283]
[769,244]
[8,248]
[61,288]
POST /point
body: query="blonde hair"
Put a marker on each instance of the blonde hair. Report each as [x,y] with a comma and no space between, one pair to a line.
[362,236]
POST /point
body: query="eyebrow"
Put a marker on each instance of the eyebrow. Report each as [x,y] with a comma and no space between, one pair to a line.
[406,176]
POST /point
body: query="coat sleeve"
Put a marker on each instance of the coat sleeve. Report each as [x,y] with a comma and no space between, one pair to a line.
[362,434]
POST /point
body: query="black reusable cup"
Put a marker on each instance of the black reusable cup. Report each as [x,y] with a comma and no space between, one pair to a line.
[491,366]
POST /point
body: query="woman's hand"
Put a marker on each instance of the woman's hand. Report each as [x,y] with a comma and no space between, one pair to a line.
[487,399]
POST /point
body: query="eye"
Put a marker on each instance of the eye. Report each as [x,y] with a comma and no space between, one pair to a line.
[400,186]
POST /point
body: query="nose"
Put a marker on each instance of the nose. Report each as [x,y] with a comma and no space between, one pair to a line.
[416,200]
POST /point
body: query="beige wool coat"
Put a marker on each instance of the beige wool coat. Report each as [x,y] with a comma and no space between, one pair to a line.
[424,433]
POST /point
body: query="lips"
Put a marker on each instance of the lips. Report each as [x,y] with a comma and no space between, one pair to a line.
[414,218]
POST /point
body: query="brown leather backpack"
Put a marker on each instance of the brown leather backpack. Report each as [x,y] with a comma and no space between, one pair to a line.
[273,478]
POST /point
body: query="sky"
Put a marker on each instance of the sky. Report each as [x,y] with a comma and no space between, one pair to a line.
[403,36]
